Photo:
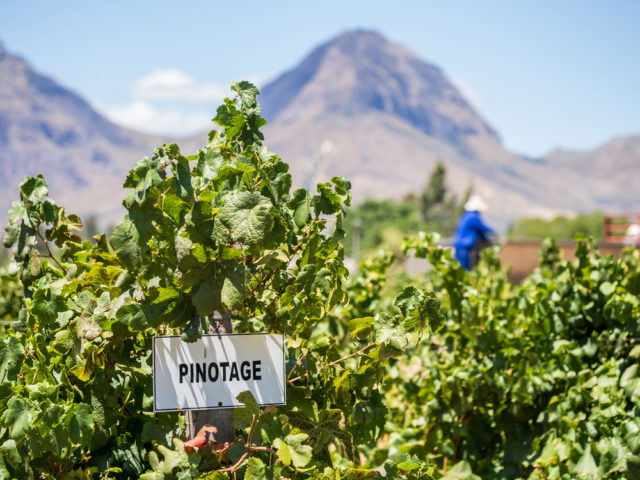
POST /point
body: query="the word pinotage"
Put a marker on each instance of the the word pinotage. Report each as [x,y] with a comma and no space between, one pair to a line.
[201,372]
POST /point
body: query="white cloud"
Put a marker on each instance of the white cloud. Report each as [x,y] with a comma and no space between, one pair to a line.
[173,84]
[164,103]
[144,117]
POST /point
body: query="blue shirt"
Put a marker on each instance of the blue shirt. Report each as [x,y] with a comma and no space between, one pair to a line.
[470,228]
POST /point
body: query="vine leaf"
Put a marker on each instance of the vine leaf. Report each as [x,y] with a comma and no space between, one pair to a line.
[326,426]
[207,297]
[419,307]
[244,218]
[11,357]
[209,162]
[300,203]
[81,426]
[125,241]
[242,417]
[18,417]
[461,471]
[47,305]
[9,451]
[257,470]
[292,450]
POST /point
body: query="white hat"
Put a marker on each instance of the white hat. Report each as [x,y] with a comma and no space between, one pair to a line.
[475,204]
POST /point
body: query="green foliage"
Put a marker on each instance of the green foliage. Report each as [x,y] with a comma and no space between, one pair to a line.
[560,227]
[215,231]
[10,298]
[439,207]
[533,381]
[461,375]
[383,223]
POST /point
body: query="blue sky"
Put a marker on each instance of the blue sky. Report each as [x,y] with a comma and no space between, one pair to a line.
[545,74]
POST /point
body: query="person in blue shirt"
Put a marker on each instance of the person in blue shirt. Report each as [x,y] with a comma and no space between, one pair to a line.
[470,232]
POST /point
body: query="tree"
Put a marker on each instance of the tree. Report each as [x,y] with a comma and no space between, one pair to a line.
[434,193]
[439,207]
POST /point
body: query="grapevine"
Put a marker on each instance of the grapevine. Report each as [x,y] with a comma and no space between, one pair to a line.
[217,231]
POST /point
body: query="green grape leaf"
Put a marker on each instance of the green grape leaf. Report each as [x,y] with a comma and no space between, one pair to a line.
[200,222]
[257,470]
[361,327]
[586,466]
[209,162]
[11,357]
[630,382]
[461,471]
[208,296]
[234,288]
[244,218]
[418,307]
[134,315]
[47,305]
[82,426]
[64,341]
[88,327]
[249,402]
[18,417]
[9,451]
[247,92]
[34,189]
[292,450]
[607,288]
[175,207]
[300,203]
[124,241]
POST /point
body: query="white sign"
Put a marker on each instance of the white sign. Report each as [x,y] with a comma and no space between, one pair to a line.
[211,372]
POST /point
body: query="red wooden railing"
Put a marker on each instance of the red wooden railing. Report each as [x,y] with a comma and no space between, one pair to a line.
[622,228]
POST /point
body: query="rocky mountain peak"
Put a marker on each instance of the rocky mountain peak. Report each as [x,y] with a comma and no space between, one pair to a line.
[360,72]
[356,42]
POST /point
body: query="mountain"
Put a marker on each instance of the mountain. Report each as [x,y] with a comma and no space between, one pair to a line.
[46,128]
[360,72]
[365,108]
[609,173]
[357,106]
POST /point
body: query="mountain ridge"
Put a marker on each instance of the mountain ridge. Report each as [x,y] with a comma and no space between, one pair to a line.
[357,106]
[432,120]
[361,71]
[305,132]
[47,128]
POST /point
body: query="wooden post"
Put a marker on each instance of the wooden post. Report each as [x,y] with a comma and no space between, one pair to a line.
[221,418]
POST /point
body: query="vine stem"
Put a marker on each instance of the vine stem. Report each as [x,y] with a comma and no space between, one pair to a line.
[236,465]
[298,363]
[245,455]
[359,352]
[250,435]
[257,448]
[250,448]
[362,350]
[46,244]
